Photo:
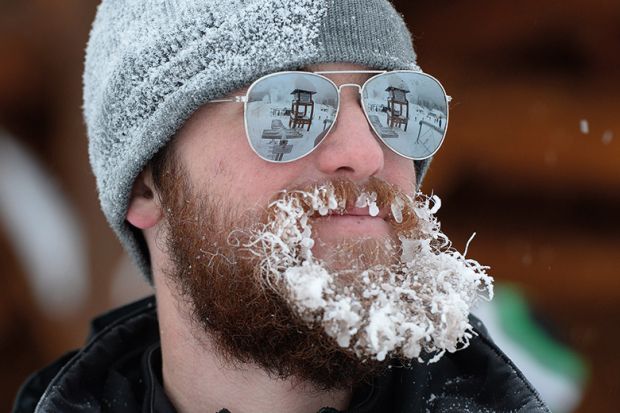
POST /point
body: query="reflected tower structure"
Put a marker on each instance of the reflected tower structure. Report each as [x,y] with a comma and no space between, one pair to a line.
[302,103]
[397,107]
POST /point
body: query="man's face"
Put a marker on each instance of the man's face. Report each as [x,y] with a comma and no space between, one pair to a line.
[234,187]
[214,149]
[325,297]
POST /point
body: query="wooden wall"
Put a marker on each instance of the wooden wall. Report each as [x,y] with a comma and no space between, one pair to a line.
[542,197]
[516,169]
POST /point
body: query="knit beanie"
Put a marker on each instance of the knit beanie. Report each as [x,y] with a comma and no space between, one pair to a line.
[150,64]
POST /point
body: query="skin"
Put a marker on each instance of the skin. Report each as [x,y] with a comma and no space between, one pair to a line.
[213,147]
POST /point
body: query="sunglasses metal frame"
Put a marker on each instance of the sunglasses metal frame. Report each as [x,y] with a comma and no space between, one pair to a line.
[321,74]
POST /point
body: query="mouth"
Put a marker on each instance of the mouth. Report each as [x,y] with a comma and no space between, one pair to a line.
[354,212]
[351,222]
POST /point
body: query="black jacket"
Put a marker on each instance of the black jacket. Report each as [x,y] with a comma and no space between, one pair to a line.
[119,371]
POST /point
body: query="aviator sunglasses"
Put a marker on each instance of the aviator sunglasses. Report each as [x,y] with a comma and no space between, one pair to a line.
[288,114]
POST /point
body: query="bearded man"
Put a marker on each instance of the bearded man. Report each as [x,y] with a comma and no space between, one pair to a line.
[260,160]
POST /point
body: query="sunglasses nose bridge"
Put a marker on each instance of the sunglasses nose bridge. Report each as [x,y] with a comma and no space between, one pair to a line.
[355,85]
[351,85]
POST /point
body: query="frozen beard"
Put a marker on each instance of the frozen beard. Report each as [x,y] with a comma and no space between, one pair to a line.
[258,291]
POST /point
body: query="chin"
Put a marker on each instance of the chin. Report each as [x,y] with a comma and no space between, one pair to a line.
[356,253]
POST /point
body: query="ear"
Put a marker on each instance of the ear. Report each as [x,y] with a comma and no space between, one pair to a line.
[144,210]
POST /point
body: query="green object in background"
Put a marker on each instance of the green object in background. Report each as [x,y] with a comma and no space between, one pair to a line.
[518,324]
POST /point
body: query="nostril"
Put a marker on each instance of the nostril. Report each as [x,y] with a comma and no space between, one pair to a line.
[345,169]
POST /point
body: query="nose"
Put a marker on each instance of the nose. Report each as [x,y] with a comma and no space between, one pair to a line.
[351,149]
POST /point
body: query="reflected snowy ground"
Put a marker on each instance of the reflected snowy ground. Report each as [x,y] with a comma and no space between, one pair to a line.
[425,129]
[271,135]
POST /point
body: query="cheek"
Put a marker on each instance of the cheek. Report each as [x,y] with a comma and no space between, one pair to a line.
[400,171]
[238,176]
[216,156]
[221,162]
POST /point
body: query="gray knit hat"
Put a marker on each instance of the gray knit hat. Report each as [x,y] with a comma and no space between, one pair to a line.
[151,63]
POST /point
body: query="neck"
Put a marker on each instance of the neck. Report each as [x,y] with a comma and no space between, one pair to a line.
[196,379]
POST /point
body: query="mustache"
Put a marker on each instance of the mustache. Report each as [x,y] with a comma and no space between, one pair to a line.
[337,196]
[284,238]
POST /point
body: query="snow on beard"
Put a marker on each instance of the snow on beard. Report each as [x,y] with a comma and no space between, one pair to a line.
[418,304]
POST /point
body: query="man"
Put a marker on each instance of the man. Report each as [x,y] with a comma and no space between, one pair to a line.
[301,277]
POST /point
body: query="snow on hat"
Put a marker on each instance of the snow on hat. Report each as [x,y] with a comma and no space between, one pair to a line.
[151,63]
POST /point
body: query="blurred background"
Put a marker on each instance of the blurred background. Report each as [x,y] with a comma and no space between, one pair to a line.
[531,164]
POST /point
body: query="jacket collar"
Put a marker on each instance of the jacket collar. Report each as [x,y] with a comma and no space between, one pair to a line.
[119,370]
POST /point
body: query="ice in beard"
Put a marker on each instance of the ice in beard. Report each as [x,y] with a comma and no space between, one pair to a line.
[416,308]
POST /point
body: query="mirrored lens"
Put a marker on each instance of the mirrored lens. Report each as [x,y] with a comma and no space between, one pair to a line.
[288,114]
[408,111]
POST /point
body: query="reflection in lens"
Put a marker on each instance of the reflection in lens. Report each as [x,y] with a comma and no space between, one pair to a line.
[408,110]
[289,114]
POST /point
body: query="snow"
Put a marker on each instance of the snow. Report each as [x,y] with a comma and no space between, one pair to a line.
[308,282]
[436,204]
[396,208]
[607,136]
[370,201]
[416,308]
[468,243]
